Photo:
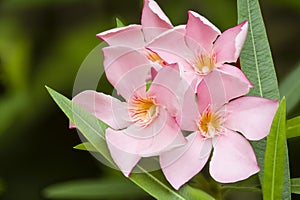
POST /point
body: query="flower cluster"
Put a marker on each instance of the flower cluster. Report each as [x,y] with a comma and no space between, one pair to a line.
[175,79]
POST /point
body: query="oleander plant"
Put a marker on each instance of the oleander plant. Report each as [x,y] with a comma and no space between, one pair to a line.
[195,112]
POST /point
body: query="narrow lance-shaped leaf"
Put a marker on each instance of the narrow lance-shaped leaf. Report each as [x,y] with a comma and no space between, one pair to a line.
[85,146]
[295,185]
[106,188]
[93,130]
[256,59]
[293,127]
[290,89]
[249,185]
[257,63]
[119,23]
[275,156]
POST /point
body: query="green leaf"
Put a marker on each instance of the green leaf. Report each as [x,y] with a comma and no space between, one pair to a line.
[257,63]
[156,185]
[107,188]
[249,185]
[290,89]
[256,59]
[15,50]
[193,193]
[295,185]
[85,146]
[293,127]
[119,23]
[148,84]
[275,157]
[93,129]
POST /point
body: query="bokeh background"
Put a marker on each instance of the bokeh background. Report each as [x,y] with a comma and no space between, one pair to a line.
[44,42]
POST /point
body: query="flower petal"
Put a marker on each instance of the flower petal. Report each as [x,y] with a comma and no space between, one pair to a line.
[175,94]
[118,61]
[235,83]
[188,117]
[235,72]
[153,129]
[220,86]
[168,136]
[108,109]
[229,45]
[181,164]
[233,158]
[200,33]
[154,20]
[166,88]
[131,36]
[251,116]
[171,46]
[125,161]
[211,91]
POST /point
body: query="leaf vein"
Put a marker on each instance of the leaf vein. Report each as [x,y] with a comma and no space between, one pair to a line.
[254,49]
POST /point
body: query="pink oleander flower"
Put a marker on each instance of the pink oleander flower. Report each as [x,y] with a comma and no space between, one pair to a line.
[153,23]
[201,48]
[221,128]
[145,124]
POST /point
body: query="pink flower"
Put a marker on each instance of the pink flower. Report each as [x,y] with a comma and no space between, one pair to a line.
[201,49]
[153,23]
[221,127]
[145,124]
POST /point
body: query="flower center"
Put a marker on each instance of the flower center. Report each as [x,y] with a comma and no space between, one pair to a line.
[210,124]
[143,110]
[155,58]
[204,64]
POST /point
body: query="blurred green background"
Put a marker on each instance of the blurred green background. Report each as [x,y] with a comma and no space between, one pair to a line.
[44,42]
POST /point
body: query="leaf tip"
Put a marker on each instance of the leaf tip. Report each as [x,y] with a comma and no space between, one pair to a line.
[48,89]
[119,23]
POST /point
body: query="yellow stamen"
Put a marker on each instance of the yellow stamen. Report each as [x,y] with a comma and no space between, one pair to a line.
[154,57]
[210,124]
[204,64]
[143,110]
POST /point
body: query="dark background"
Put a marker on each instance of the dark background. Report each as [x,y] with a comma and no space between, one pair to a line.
[43,42]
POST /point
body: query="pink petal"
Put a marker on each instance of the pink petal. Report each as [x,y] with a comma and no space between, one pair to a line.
[220,86]
[200,33]
[168,136]
[131,36]
[153,129]
[126,69]
[229,45]
[233,158]
[154,72]
[192,78]
[125,161]
[211,91]
[108,109]
[165,89]
[118,61]
[235,72]
[181,164]
[133,82]
[251,116]
[188,117]
[235,83]
[154,20]
[171,46]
